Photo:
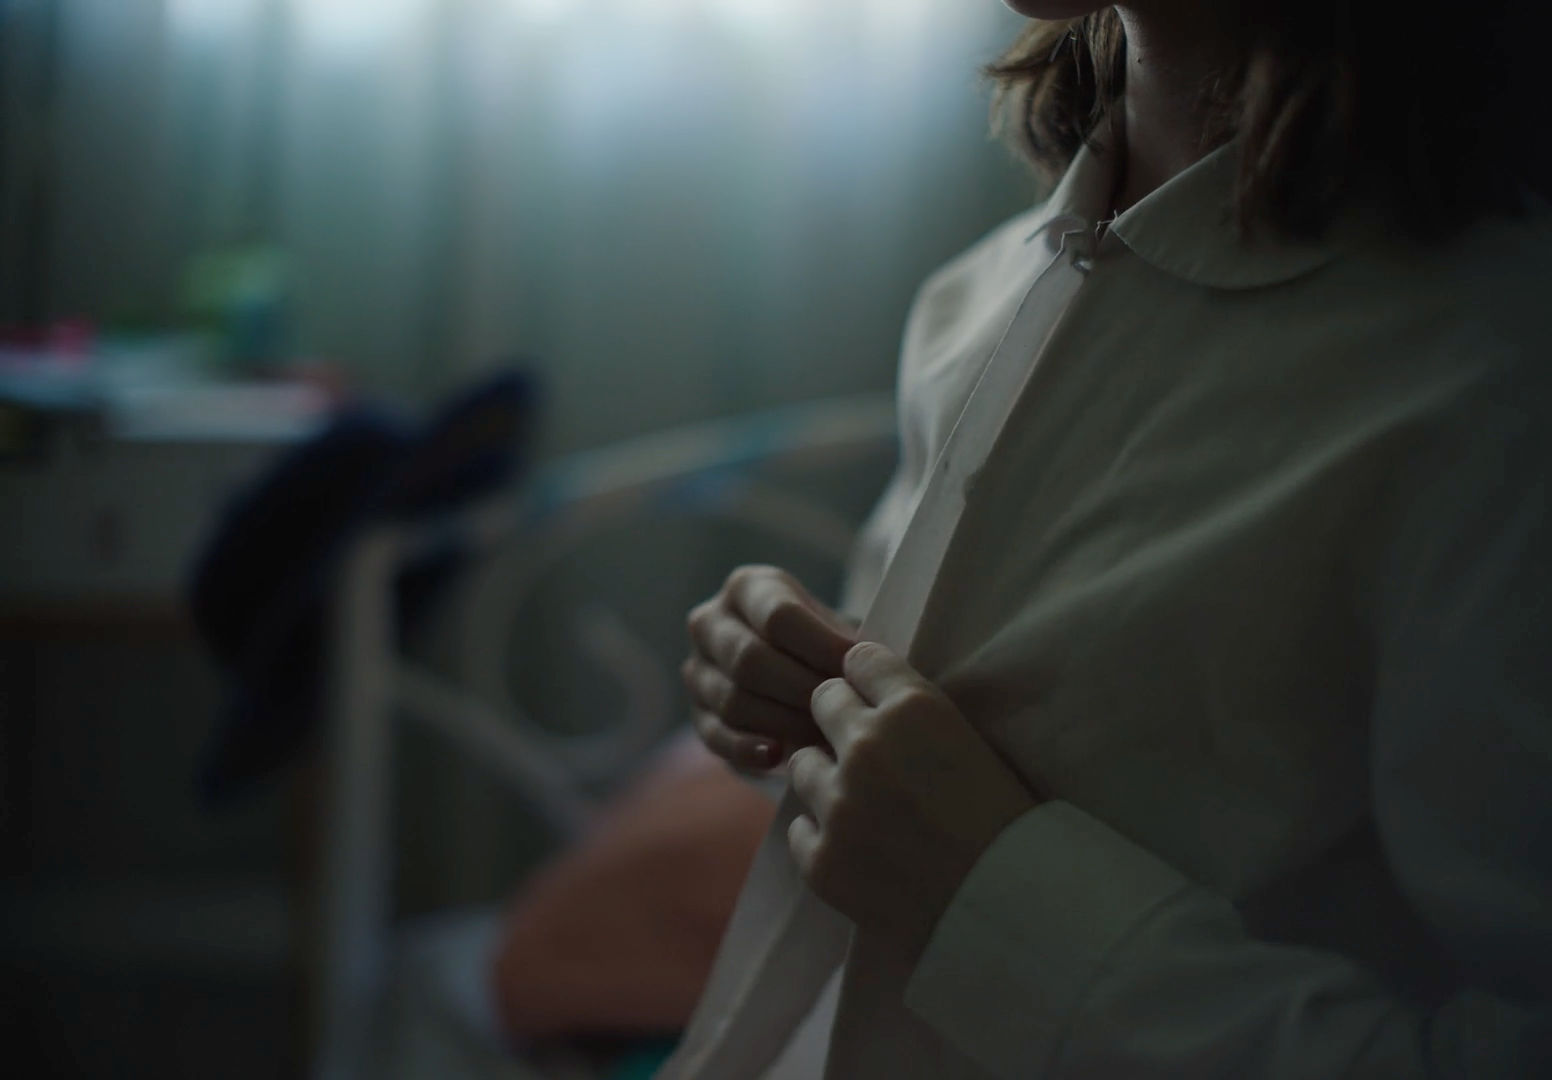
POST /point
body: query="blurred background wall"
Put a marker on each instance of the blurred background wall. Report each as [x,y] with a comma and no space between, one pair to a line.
[676,209]
[680,206]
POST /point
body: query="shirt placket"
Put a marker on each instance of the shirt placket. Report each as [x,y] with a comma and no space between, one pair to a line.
[874,1035]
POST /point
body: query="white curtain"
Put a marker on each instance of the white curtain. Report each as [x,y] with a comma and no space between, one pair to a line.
[682,207]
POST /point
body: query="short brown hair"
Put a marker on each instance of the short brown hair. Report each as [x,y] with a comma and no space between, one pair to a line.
[1437,114]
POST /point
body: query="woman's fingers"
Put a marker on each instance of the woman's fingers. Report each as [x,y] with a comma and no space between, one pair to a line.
[813,775]
[841,714]
[755,665]
[878,675]
[743,711]
[759,649]
[739,750]
[780,611]
[803,841]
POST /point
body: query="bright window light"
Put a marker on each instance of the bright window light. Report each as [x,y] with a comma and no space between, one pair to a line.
[210,20]
[762,14]
[349,26]
[754,12]
[548,10]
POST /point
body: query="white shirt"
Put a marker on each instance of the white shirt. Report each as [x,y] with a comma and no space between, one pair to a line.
[1256,588]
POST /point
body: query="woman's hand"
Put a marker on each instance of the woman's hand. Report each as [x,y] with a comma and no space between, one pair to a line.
[758,649]
[909,800]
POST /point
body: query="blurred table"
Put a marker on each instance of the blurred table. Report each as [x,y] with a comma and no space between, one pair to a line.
[105,510]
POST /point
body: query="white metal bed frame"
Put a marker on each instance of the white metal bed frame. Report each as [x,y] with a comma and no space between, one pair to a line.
[710,469]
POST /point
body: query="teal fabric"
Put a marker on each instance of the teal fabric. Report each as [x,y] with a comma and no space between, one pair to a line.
[644,1062]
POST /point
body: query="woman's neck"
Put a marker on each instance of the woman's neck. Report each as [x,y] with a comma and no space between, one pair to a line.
[1173,50]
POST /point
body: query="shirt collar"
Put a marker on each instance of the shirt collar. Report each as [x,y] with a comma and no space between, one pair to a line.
[1186,227]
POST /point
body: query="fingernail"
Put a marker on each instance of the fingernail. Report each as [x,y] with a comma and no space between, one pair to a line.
[769,753]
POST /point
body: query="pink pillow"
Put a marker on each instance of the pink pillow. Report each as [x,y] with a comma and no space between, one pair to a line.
[618,935]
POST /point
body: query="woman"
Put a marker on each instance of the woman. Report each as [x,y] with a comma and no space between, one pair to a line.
[1210,730]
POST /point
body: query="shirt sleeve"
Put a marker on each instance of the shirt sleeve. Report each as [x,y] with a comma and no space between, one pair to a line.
[1071,952]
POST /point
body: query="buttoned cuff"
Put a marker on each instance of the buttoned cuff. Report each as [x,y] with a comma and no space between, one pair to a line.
[1023,939]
